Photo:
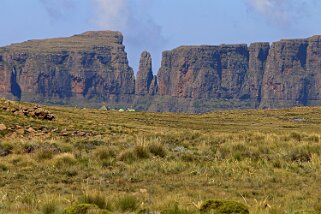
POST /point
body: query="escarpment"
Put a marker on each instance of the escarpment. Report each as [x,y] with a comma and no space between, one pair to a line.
[88,67]
[91,69]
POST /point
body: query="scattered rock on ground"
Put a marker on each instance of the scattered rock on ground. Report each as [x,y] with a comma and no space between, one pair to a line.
[31,130]
[36,111]
[2,127]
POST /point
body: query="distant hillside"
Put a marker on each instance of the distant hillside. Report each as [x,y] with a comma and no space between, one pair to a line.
[91,69]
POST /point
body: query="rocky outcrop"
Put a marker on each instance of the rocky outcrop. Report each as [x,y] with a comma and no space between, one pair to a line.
[146,83]
[89,66]
[34,111]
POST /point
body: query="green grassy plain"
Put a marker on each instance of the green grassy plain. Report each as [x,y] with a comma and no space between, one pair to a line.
[134,162]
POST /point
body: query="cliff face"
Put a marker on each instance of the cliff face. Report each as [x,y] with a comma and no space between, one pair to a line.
[88,66]
[286,74]
[204,72]
[252,89]
[92,68]
[292,76]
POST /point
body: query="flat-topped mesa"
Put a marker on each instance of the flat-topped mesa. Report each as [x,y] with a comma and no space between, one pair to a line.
[90,66]
[79,42]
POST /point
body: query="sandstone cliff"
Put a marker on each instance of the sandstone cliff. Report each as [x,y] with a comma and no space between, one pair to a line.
[92,69]
[89,66]
[293,73]
[204,71]
[205,77]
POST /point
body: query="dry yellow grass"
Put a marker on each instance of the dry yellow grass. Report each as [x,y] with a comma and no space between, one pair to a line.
[269,160]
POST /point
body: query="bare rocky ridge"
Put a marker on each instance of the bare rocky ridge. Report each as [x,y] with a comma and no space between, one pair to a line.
[92,68]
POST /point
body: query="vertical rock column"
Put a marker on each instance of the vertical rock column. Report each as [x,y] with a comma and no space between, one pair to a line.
[146,83]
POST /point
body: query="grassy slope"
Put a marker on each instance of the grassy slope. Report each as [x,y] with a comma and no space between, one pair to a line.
[263,158]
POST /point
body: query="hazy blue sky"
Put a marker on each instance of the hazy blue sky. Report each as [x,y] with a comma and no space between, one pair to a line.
[157,25]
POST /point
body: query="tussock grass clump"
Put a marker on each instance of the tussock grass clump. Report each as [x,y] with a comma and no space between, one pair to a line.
[105,153]
[189,157]
[157,149]
[44,154]
[127,155]
[46,151]
[97,198]
[174,208]
[303,153]
[222,206]
[51,207]
[3,167]
[29,200]
[127,203]
[64,159]
[313,139]
[296,136]
[141,151]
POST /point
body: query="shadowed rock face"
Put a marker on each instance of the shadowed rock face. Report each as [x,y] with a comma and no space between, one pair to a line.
[92,68]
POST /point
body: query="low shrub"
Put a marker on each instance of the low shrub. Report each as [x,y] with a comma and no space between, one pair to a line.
[222,206]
